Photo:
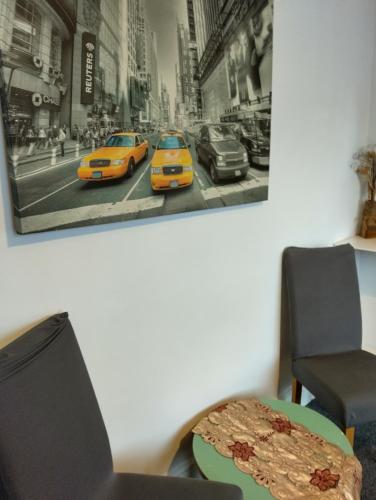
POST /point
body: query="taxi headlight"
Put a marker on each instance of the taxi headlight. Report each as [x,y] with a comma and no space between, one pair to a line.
[220,158]
[187,168]
[116,163]
[156,170]
[85,163]
[245,156]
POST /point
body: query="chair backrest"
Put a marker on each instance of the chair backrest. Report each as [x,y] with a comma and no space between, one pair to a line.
[322,300]
[53,442]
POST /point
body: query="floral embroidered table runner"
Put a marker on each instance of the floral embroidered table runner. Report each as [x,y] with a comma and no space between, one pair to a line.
[283,456]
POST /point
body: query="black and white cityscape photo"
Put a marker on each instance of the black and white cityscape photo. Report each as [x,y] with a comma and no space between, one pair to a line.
[118,110]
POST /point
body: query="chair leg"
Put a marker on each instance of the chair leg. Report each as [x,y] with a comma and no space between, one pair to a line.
[296,391]
[350,434]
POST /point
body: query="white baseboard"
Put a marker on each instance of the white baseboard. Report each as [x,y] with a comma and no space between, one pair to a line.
[369,349]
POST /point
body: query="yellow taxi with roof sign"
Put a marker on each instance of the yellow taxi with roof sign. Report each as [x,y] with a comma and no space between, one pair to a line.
[117,158]
[171,166]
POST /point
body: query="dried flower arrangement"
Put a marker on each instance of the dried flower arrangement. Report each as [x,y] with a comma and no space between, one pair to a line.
[365,164]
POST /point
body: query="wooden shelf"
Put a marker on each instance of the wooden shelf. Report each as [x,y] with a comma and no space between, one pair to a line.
[359,243]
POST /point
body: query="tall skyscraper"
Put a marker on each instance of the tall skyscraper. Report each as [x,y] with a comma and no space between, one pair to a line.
[191,21]
[199,24]
[154,80]
[142,62]
[109,62]
[124,80]
[185,74]
[180,112]
[165,106]
[135,60]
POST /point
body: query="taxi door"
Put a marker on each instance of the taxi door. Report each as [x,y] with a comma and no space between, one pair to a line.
[144,145]
[139,149]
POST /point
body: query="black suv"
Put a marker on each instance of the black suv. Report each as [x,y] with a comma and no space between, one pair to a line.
[255,140]
[219,149]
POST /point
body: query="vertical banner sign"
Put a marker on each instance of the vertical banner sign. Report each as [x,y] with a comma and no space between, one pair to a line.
[88,68]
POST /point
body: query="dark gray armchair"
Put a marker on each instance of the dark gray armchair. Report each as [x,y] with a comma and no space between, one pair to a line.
[320,293]
[53,442]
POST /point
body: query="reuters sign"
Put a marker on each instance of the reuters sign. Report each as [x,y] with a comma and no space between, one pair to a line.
[88,68]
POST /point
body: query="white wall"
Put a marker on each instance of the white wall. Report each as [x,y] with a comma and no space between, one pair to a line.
[176,314]
[366,260]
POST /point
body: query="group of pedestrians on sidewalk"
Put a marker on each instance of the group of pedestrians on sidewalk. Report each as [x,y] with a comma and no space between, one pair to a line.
[29,139]
[92,134]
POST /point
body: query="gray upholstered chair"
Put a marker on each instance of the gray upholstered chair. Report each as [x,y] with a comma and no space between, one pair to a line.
[321,307]
[53,442]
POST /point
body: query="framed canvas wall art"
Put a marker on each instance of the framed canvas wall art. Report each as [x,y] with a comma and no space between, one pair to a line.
[118,110]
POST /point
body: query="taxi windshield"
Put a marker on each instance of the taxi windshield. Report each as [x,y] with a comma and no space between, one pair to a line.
[120,141]
[172,142]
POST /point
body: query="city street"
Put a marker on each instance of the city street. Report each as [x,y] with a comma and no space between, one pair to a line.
[53,197]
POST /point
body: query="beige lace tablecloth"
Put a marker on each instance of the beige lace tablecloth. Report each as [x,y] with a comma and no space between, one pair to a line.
[283,456]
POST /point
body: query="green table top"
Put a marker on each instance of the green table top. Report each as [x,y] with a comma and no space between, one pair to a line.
[219,468]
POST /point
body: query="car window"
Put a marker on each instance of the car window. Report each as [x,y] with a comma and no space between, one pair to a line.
[171,142]
[142,140]
[220,133]
[137,140]
[204,133]
[120,141]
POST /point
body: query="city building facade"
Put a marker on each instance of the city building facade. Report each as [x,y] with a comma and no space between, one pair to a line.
[148,70]
[234,44]
[188,102]
[124,78]
[154,81]
[110,38]
[143,49]
[199,21]
[37,42]
[164,106]
[180,112]
[136,62]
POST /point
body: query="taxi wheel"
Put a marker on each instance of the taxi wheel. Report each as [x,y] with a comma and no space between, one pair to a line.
[213,173]
[130,168]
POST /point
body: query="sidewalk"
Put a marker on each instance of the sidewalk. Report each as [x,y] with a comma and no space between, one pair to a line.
[46,160]
[44,153]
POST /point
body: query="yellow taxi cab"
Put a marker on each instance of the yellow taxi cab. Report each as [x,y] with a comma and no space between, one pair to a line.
[174,131]
[171,166]
[118,157]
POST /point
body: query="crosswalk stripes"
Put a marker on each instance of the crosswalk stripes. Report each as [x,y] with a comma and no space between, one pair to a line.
[92,212]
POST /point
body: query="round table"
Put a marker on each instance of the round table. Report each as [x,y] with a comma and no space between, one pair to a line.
[219,468]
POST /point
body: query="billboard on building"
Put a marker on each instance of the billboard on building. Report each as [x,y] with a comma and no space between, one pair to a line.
[103,104]
[248,57]
[249,54]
